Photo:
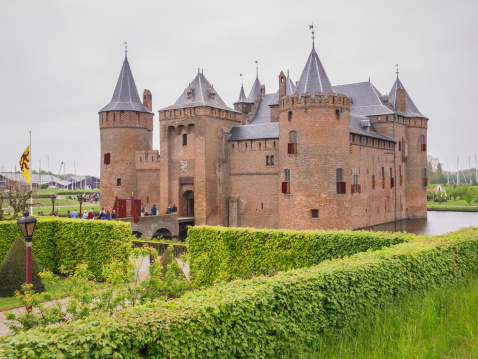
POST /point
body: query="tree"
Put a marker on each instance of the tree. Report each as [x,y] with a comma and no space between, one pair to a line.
[469,194]
[17,196]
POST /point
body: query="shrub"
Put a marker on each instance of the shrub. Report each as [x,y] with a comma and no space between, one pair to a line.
[160,246]
[262,317]
[65,242]
[12,270]
[223,253]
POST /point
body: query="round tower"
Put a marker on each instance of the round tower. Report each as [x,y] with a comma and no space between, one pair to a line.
[126,126]
[314,153]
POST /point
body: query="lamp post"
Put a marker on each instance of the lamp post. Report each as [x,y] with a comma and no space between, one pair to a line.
[53,198]
[81,200]
[27,226]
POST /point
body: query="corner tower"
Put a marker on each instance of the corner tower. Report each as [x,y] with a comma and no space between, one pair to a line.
[126,126]
[314,152]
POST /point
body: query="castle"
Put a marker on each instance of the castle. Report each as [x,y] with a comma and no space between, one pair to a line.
[309,156]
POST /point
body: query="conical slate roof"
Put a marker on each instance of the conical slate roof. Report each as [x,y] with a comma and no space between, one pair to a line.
[125,97]
[242,96]
[199,93]
[410,109]
[314,78]
[256,88]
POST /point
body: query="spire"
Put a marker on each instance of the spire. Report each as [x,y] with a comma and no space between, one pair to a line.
[125,49]
[397,70]
[257,69]
[314,78]
[409,107]
[125,97]
[312,27]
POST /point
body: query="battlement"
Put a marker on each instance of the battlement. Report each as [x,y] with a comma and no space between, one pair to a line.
[175,114]
[131,119]
[147,160]
[336,101]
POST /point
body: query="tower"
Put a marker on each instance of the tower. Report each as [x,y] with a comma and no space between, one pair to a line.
[314,151]
[126,126]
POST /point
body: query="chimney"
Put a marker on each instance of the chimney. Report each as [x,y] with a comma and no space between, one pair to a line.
[400,101]
[148,100]
[282,85]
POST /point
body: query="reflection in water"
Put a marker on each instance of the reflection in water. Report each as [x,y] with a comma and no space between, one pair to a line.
[436,223]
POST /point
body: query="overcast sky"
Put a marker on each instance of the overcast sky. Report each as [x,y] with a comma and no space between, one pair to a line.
[60,61]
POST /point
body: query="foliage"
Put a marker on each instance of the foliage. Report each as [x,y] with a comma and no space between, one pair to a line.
[161,246]
[63,242]
[262,317]
[223,253]
[439,323]
[12,270]
[44,186]
[469,194]
[17,196]
[125,289]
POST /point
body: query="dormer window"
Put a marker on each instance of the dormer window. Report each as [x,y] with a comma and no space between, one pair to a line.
[189,93]
[212,94]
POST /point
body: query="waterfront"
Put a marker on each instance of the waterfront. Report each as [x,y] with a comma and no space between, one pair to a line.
[438,222]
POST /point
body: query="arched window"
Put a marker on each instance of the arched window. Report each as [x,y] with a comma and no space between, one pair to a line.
[423,143]
[286,182]
[339,174]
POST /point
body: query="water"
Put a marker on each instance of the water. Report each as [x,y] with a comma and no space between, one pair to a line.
[436,223]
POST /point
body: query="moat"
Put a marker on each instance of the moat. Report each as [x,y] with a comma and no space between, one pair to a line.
[436,223]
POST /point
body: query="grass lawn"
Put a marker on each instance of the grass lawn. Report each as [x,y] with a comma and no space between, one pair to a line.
[441,323]
[453,204]
[13,302]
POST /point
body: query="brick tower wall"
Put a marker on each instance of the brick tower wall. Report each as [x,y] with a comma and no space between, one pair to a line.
[253,183]
[148,177]
[322,147]
[122,133]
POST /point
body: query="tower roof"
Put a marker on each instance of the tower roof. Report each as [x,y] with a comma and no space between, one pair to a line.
[242,96]
[199,93]
[125,97]
[256,88]
[289,90]
[410,108]
[314,78]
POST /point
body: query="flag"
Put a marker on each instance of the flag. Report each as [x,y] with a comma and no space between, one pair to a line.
[25,164]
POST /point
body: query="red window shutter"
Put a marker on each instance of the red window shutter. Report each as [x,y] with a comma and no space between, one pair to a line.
[344,187]
[292,148]
[359,189]
[425,181]
[352,189]
[107,159]
[286,187]
[392,182]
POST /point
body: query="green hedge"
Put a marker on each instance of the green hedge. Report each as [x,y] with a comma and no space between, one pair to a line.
[224,253]
[262,317]
[59,241]
[162,247]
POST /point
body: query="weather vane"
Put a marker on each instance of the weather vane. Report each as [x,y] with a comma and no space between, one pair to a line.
[257,69]
[312,27]
[397,69]
[242,79]
[125,48]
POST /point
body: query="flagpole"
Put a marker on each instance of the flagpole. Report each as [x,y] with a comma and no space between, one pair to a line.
[31,182]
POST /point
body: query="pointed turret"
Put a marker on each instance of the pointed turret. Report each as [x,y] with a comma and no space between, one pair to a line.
[242,96]
[401,102]
[199,93]
[125,97]
[256,89]
[314,78]
[243,104]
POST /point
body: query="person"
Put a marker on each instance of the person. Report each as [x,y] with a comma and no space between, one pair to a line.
[174,208]
[114,215]
[91,213]
[52,213]
[102,213]
[153,210]
[108,214]
[168,211]
[68,214]
[142,210]
[85,215]
[74,214]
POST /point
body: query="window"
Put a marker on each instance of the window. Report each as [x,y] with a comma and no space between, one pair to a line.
[268,160]
[272,160]
[373,181]
[292,145]
[392,180]
[383,177]
[425,178]
[185,139]
[118,182]
[400,175]
[355,184]
[107,158]
[289,116]
[314,213]
[340,181]
[286,183]
[399,146]
[337,114]
[423,143]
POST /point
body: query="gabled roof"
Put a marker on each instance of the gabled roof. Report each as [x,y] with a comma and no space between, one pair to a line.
[254,132]
[410,109]
[256,88]
[365,99]
[314,78]
[201,93]
[242,96]
[263,112]
[357,128]
[125,97]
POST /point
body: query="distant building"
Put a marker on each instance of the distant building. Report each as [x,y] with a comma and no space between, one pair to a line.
[309,156]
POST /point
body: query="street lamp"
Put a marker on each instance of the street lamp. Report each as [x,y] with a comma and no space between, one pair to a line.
[53,198]
[81,199]
[27,226]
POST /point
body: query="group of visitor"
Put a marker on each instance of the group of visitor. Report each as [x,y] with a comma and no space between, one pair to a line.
[154,210]
[104,214]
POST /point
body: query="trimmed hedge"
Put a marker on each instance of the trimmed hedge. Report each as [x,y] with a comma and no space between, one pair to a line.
[161,247]
[225,253]
[262,317]
[60,241]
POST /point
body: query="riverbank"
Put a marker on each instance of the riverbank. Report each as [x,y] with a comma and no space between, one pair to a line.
[451,208]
